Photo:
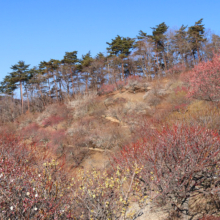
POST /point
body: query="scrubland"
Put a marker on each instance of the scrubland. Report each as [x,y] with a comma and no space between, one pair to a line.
[146,150]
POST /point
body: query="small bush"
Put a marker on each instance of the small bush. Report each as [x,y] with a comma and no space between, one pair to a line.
[52,120]
[107,88]
[178,68]
[30,130]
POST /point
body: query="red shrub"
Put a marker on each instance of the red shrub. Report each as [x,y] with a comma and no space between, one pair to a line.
[181,89]
[120,84]
[177,162]
[180,107]
[56,139]
[134,78]
[178,68]
[107,88]
[51,139]
[52,120]
[27,191]
[30,130]
[204,80]
[42,135]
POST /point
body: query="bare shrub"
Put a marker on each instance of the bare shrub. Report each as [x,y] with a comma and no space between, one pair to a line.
[110,137]
[152,98]
[58,110]
[30,130]
[10,109]
[177,163]
[82,104]
[178,99]
[107,88]
[52,120]
[137,84]
[206,115]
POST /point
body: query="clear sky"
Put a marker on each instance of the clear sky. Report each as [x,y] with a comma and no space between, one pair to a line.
[37,30]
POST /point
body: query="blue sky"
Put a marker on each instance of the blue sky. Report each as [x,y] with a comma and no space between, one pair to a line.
[37,30]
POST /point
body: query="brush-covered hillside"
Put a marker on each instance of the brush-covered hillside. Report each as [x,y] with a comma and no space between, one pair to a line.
[115,137]
[146,151]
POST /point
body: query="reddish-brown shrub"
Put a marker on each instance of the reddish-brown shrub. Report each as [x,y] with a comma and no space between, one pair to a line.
[28,191]
[52,120]
[56,139]
[204,80]
[120,84]
[178,68]
[107,88]
[177,162]
[45,192]
[30,130]
[134,78]
[181,89]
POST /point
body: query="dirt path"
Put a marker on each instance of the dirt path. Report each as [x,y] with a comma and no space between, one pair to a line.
[99,149]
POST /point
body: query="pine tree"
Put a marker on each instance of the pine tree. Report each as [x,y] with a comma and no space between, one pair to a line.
[70,59]
[7,87]
[196,37]
[143,53]
[18,77]
[98,71]
[158,37]
[120,47]
[180,43]
[37,82]
[50,67]
[85,67]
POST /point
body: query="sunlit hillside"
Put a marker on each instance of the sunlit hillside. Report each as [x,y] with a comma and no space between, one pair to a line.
[131,135]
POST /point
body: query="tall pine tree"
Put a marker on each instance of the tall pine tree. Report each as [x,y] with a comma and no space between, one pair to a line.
[196,37]
[120,47]
[18,77]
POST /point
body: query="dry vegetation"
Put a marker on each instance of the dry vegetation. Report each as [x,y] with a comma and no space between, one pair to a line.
[159,139]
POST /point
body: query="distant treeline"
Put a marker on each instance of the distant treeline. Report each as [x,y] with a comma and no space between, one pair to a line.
[164,51]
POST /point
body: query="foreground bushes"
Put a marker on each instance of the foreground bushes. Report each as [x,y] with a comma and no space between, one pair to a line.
[176,166]
[27,190]
[33,189]
[180,165]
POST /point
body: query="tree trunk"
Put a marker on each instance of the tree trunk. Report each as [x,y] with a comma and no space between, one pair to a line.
[86,85]
[115,80]
[108,74]
[41,94]
[68,89]
[158,65]
[72,83]
[199,58]
[55,86]
[49,88]
[122,69]
[164,60]
[21,94]
[28,101]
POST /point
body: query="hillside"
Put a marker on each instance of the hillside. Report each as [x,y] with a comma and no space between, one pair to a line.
[148,150]
[93,125]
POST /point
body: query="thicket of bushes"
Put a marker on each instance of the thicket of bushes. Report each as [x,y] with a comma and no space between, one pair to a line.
[171,163]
